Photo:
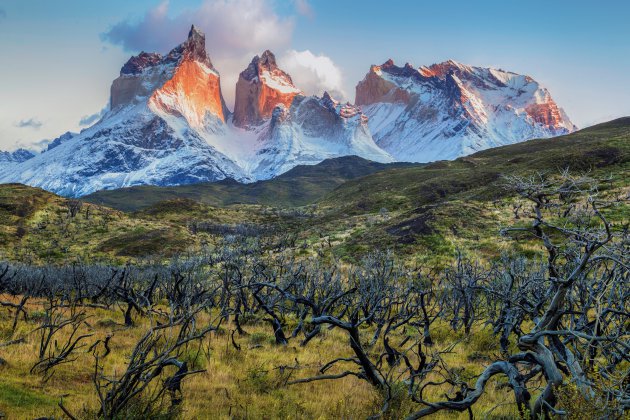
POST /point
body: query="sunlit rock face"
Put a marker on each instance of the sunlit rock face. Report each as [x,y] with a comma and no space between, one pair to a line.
[192,92]
[288,128]
[376,88]
[547,114]
[451,109]
[260,88]
[183,83]
[165,115]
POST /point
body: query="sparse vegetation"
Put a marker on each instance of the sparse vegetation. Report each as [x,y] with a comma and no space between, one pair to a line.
[473,287]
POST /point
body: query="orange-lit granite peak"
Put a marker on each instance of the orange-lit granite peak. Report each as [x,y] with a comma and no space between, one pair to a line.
[451,109]
[183,83]
[376,88]
[194,90]
[260,88]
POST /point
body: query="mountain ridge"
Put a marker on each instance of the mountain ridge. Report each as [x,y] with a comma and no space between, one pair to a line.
[168,123]
[298,186]
[595,147]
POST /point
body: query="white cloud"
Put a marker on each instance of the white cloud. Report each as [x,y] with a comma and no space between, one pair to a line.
[312,73]
[88,120]
[304,8]
[32,122]
[235,31]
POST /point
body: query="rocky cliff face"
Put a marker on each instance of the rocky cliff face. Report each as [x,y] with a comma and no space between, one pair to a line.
[376,88]
[17,156]
[183,83]
[287,128]
[450,109]
[313,129]
[260,88]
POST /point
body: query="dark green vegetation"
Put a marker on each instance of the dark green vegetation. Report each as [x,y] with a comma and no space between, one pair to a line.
[297,187]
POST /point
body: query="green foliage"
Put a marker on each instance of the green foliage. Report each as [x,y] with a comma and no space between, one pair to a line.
[15,396]
[299,186]
[578,407]
[259,338]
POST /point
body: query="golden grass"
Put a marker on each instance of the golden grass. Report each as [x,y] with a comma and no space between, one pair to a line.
[246,384]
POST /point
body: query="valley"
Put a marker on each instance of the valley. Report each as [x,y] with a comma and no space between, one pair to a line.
[448,245]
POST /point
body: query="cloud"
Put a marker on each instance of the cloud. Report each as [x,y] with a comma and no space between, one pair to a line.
[30,123]
[235,31]
[312,73]
[37,145]
[304,8]
[87,120]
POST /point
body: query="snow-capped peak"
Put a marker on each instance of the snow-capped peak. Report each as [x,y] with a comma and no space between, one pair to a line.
[452,109]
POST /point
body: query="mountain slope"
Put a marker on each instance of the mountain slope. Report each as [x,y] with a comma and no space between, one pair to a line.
[601,149]
[352,185]
[17,156]
[161,107]
[299,186]
[290,128]
[168,123]
[424,211]
[450,109]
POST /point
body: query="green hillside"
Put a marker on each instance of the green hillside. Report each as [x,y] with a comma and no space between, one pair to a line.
[433,210]
[425,212]
[299,186]
[599,149]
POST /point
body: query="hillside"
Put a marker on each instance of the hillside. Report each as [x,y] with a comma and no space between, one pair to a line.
[299,186]
[354,206]
[463,203]
[40,227]
[599,148]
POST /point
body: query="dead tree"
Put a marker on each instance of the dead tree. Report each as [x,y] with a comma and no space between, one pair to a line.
[146,379]
[578,307]
[53,350]
[74,207]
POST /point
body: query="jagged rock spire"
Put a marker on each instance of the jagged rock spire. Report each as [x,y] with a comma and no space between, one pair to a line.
[260,88]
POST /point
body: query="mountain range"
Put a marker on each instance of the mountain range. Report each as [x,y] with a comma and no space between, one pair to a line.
[168,124]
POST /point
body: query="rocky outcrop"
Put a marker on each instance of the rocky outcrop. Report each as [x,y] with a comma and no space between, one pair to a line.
[310,130]
[62,138]
[137,64]
[375,88]
[542,108]
[17,156]
[260,88]
[183,83]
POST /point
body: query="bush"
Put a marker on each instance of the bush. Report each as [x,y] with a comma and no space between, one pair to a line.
[260,338]
[571,400]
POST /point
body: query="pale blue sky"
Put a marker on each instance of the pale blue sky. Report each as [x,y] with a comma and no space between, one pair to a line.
[58,58]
